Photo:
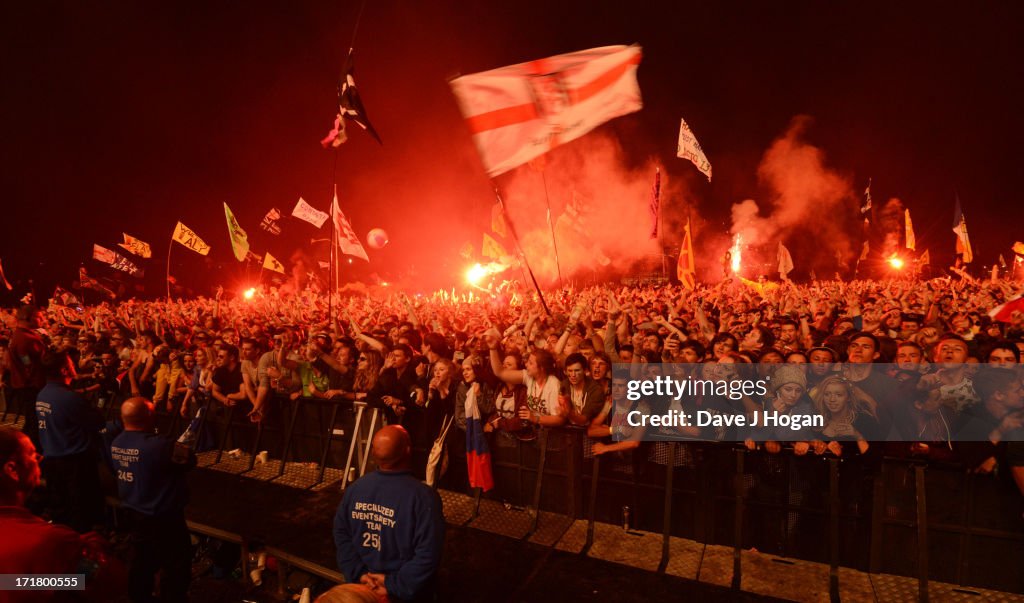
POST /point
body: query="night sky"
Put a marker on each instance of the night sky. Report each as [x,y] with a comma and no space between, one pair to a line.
[127,117]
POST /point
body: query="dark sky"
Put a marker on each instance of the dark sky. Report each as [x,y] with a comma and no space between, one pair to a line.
[126,116]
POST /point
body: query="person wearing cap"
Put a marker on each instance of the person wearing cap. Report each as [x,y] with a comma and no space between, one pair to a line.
[26,368]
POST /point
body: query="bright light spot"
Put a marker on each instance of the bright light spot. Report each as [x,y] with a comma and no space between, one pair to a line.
[350,260]
[476,274]
[736,252]
[384,284]
[896,263]
[249,293]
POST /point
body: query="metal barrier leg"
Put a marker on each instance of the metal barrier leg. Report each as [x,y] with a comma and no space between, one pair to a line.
[224,434]
[364,449]
[353,443]
[288,437]
[666,538]
[327,447]
[255,446]
[922,535]
[877,514]
[737,548]
[201,429]
[963,565]
[543,442]
[833,530]
[592,505]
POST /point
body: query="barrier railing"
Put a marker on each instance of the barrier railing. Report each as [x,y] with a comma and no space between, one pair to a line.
[892,515]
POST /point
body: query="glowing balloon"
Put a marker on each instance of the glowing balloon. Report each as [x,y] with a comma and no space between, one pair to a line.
[377,238]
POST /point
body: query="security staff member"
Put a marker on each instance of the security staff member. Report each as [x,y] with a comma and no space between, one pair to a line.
[389,530]
[69,437]
[151,483]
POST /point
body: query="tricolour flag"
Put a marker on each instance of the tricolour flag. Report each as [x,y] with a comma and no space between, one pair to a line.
[187,237]
[307,213]
[347,239]
[136,246]
[963,242]
[498,220]
[478,454]
[520,112]
[239,240]
[655,202]
[269,222]
[685,267]
[3,278]
[492,249]
[271,263]
[350,106]
[1004,312]
[689,148]
[785,261]
[911,239]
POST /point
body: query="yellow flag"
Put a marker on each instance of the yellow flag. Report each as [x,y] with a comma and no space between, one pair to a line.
[1018,248]
[187,237]
[136,246]
[685,268]
[911,240]
[492,248]
[498,221]
[271,263]
[239,240]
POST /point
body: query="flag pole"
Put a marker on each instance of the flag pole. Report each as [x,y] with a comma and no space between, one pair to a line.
[522,253]
[170,246]
[551,226]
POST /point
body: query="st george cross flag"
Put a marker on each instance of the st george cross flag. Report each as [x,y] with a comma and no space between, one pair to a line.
[911,239]
[239,240]
[785,262]
[350,106]
[963,242]
[307,213]
[685,268]
[478,454]
[689,148]
[136,246]
[1005,312]
[347,239]
[102,254]
[520,112]
[269,222]
[187,237]
[271,263]
[655,202]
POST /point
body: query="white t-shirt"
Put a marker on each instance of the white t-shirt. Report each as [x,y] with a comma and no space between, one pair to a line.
[541,398]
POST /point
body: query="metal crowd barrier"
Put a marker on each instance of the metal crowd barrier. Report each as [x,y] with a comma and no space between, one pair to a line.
[881,515]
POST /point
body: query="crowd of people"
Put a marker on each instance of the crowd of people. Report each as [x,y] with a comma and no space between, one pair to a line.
[917,362]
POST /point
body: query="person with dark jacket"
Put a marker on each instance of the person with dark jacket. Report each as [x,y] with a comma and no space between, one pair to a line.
[150,473]
[25,358]
[389,529]
[69,433]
